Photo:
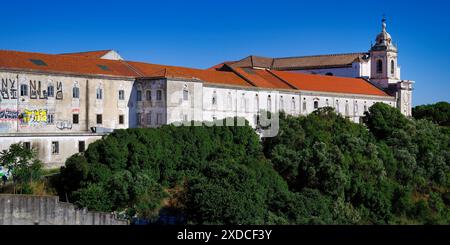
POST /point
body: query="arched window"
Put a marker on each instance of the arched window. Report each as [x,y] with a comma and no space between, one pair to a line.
[337,106]
[243,102]
[269,103]
[316,104]
[347,111]
[256,103]
[304,105]
[379,66]
[392,67]
[185,93]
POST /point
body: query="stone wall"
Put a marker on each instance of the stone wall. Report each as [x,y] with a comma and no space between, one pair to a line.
[48,210]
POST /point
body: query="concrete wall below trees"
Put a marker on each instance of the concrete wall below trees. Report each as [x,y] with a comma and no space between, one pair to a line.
[48,210]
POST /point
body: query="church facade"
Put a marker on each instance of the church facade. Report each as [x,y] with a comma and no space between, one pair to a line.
[59,104]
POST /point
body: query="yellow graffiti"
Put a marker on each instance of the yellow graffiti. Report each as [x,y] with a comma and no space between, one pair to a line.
[34,116]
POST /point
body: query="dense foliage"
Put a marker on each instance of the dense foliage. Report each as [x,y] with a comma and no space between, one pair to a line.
[320,169]
[438,113]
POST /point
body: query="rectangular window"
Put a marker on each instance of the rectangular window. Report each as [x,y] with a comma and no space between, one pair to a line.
[158,95]
[75,118]
[99,93]
[138,119]
[121,95]
[50,91]
[55,147]
[148,95]
[50,118]
[149,118]
[121,121]
[76,92]
[185,94]
[23,90]
[99,119]
[139,95]
[27,145]
[185,118]
[81,146]
[159,119]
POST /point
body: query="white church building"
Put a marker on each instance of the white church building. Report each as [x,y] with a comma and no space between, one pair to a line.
[59,104]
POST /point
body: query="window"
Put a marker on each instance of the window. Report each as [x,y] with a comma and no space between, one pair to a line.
[139,95]
[347,111]
[23,90]
[337,106]
[281,103]
[55,147]
[329,74]
[185,118]
[230,101]
[379,66]
[316,104]
[148,95]
[304,106]
[214,98]
[158,118]
[256,103]
[75,118]
[149,118]
[121,121]
[76,92]
[269,103]
[356,108]
[243,102]
[103,67]
[81,146]
[99,119]
[138,119]
[50,118]
[158,95]
[38,62]
[185,94]
[99,93]
[121,94]
[27,145]
[392,67]
[293,104]
[50,91]
[327,103]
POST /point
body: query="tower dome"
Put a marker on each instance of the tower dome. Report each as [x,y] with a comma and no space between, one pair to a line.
[384,40]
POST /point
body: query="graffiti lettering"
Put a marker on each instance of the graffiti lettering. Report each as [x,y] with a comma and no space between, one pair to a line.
[33,117]
[59,92]
[7,114]
[36,91]
[8,92]
[64,125]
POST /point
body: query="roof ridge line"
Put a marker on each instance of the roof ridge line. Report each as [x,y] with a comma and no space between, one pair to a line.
[132,67]
[320,55]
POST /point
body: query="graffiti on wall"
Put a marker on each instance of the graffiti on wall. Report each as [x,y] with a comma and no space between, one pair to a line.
[8,89]
[33,117]
[59,92]
[8,115]
[65,124]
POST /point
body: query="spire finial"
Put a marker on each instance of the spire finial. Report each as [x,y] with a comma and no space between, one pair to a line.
[383,21]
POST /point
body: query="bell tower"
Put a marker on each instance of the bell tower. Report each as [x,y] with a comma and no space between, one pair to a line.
[383,58]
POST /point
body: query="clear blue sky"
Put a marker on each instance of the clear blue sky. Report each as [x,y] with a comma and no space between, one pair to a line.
[203,33]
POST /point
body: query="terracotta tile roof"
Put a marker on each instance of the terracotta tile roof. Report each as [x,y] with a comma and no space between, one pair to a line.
[64,64]
[209,76]
[298,63]
[331,84]
[318,61]
[90,54]
[230,75]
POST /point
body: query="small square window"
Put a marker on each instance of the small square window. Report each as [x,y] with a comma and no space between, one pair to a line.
[27,145]
[23,90]
[99,119]
[76,92]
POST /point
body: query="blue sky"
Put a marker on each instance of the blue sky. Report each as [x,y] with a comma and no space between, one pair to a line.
[203,33]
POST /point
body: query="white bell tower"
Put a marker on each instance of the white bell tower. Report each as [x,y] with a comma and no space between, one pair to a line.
[383,58]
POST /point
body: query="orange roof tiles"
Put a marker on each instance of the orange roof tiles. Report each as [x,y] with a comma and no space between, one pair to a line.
[90,54]
[329,83]
[231,76]
[64,64]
